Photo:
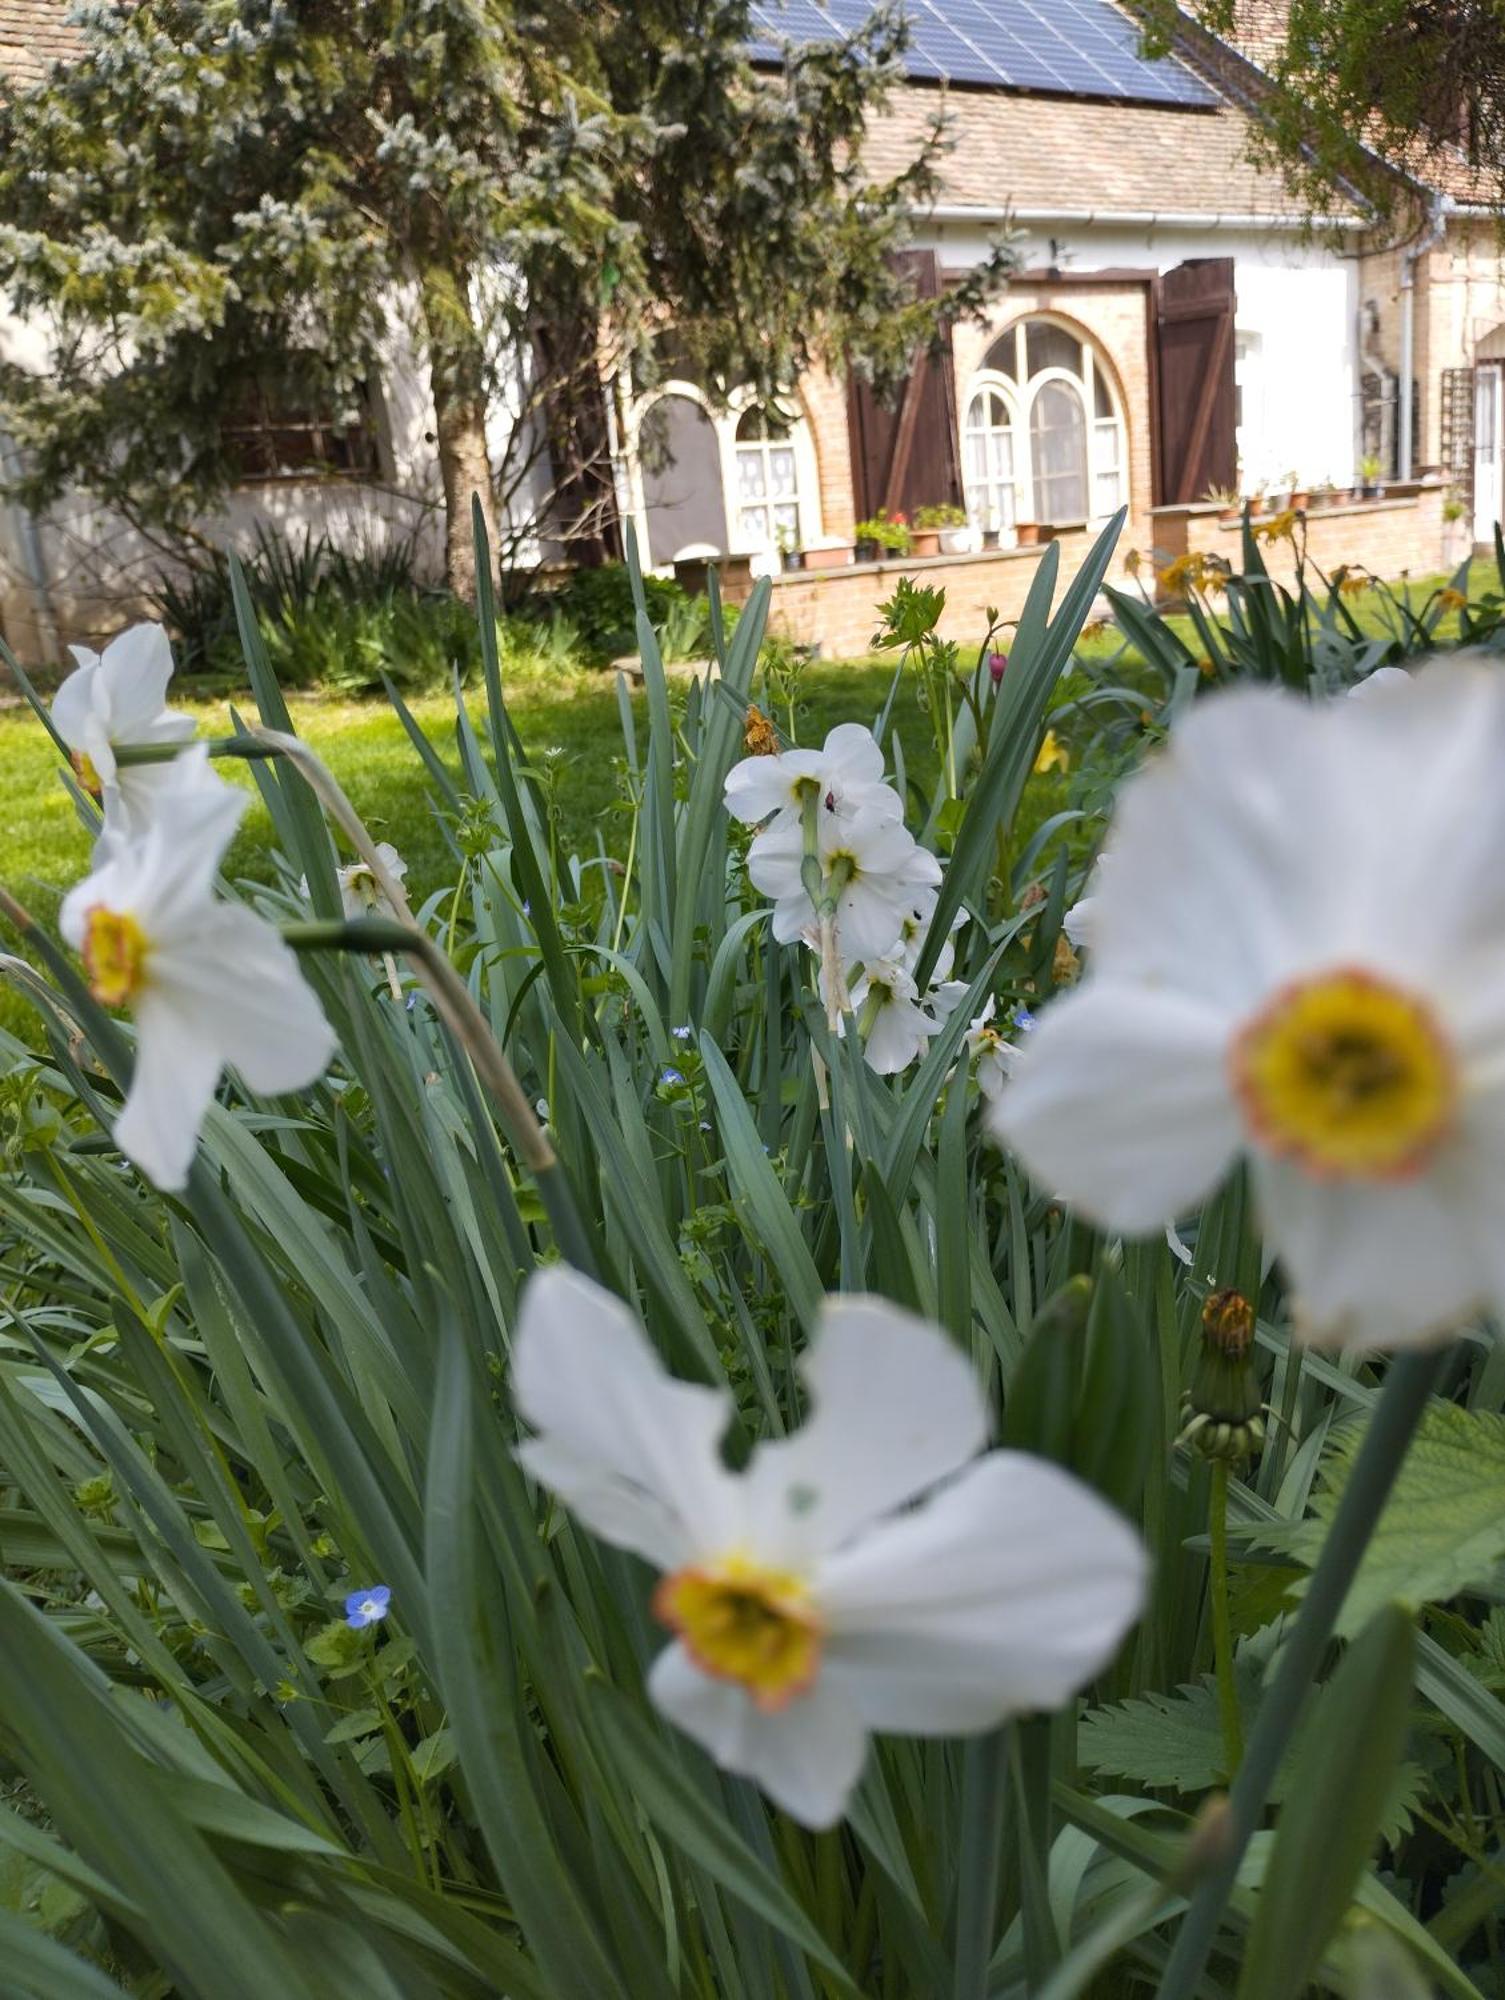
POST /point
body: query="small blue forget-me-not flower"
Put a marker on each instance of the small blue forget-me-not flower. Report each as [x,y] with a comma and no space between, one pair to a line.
[367,1607]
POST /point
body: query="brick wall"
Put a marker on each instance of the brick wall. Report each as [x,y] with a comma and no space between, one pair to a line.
[837,610]
[1391,537]
[824,397]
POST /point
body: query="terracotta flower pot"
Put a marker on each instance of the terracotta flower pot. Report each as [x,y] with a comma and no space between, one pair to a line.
[1028,534]
[925,542]
[832,558]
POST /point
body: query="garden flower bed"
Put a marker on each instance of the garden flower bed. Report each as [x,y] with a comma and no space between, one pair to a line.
[861,1391]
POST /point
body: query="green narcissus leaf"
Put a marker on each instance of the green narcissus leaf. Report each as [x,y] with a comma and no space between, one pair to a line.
[1443,1529]
[1174,1742]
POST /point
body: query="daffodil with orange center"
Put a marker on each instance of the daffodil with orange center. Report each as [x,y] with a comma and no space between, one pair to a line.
[870,1571]
[1298,957]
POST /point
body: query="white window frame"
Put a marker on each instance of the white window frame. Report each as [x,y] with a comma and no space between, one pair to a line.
[1106,437]
[725,421]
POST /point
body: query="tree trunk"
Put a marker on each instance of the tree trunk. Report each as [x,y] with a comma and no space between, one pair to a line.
[566,340]
[457,365]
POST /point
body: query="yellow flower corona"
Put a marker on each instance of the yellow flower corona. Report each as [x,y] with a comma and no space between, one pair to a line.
[1347,1075]
[115,955]
[742,1622]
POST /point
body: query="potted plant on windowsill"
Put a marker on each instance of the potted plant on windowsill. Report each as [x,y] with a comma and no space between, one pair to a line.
[1227,503]
[791,556]
[940,531]
[1370,469]
[881,536]
[1030,534]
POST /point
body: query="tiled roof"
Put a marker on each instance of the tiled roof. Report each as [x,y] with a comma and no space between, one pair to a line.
[34,34]
[1072,156]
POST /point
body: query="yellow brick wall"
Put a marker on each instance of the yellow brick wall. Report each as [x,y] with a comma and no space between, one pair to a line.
[837,610]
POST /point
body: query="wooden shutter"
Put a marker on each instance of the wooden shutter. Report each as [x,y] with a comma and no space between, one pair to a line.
[1195,443]
[905,452]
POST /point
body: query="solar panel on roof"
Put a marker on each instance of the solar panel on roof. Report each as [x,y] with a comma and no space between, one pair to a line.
[1078,48]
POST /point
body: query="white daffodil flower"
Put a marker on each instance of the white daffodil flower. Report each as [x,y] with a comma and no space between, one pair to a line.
[1299,956]
[1379,682]
[896,1027]
[845,775]
[360,893]
[876,861]
[209,983]
[869,1572]
[112,699]
[993,1057]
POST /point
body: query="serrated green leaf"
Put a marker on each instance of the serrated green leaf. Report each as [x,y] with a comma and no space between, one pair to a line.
[1174,1742]
[1443,1528]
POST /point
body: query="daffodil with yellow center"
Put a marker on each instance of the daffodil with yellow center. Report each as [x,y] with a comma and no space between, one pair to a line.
[1298,958]
[874,1570]
[210,985]
[1347,1075]
[116,699]
[743,1622]
[115,954]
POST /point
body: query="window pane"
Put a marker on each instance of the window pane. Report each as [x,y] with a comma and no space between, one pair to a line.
[781,466]
[1058,453]
[1000,356]
[1106,445]
[786,522]
[755,526]
[752,482]
[1107,493]
[1102,401]
[750,425]
[1047,346]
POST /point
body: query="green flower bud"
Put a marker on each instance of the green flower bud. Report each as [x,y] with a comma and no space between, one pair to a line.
[1221,1410]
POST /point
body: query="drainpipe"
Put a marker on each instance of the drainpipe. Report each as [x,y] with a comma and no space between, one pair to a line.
[33,561]
[1430,237]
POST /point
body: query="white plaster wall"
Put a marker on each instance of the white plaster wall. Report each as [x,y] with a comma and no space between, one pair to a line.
[1298,300]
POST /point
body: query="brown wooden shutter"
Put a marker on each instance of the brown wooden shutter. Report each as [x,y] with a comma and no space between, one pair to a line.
[1195,442]
[905,452]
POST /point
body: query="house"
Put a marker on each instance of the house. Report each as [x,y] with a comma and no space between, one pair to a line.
[1174,328]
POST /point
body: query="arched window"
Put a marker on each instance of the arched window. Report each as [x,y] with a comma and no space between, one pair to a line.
[711,479]
[1042,437]
[768,482]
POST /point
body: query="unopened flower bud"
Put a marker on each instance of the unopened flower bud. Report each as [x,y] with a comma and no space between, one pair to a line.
[1221,1410]
[1228,1323]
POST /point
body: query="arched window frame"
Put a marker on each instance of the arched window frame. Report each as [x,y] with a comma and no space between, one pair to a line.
[1106,437]
[725,421]
[989,382]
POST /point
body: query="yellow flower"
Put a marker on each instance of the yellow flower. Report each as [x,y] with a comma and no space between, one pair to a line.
[1450,599]
[1054,756]
[1354,586]
[1281,528]
[1132,561]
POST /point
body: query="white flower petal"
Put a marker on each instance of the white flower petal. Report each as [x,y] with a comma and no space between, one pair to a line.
[137,667]
[1212,880]
[1119,1102]
[806,1757]
[1007,1591]
[236,975]
[172,1086]
[73,706]
[633,1452]
[896,1406]
[1376,1263]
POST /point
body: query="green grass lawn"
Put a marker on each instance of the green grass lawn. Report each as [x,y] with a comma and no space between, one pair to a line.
[44,848]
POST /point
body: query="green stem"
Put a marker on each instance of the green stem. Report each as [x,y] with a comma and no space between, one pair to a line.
[1222,1625]
[1407,1387]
